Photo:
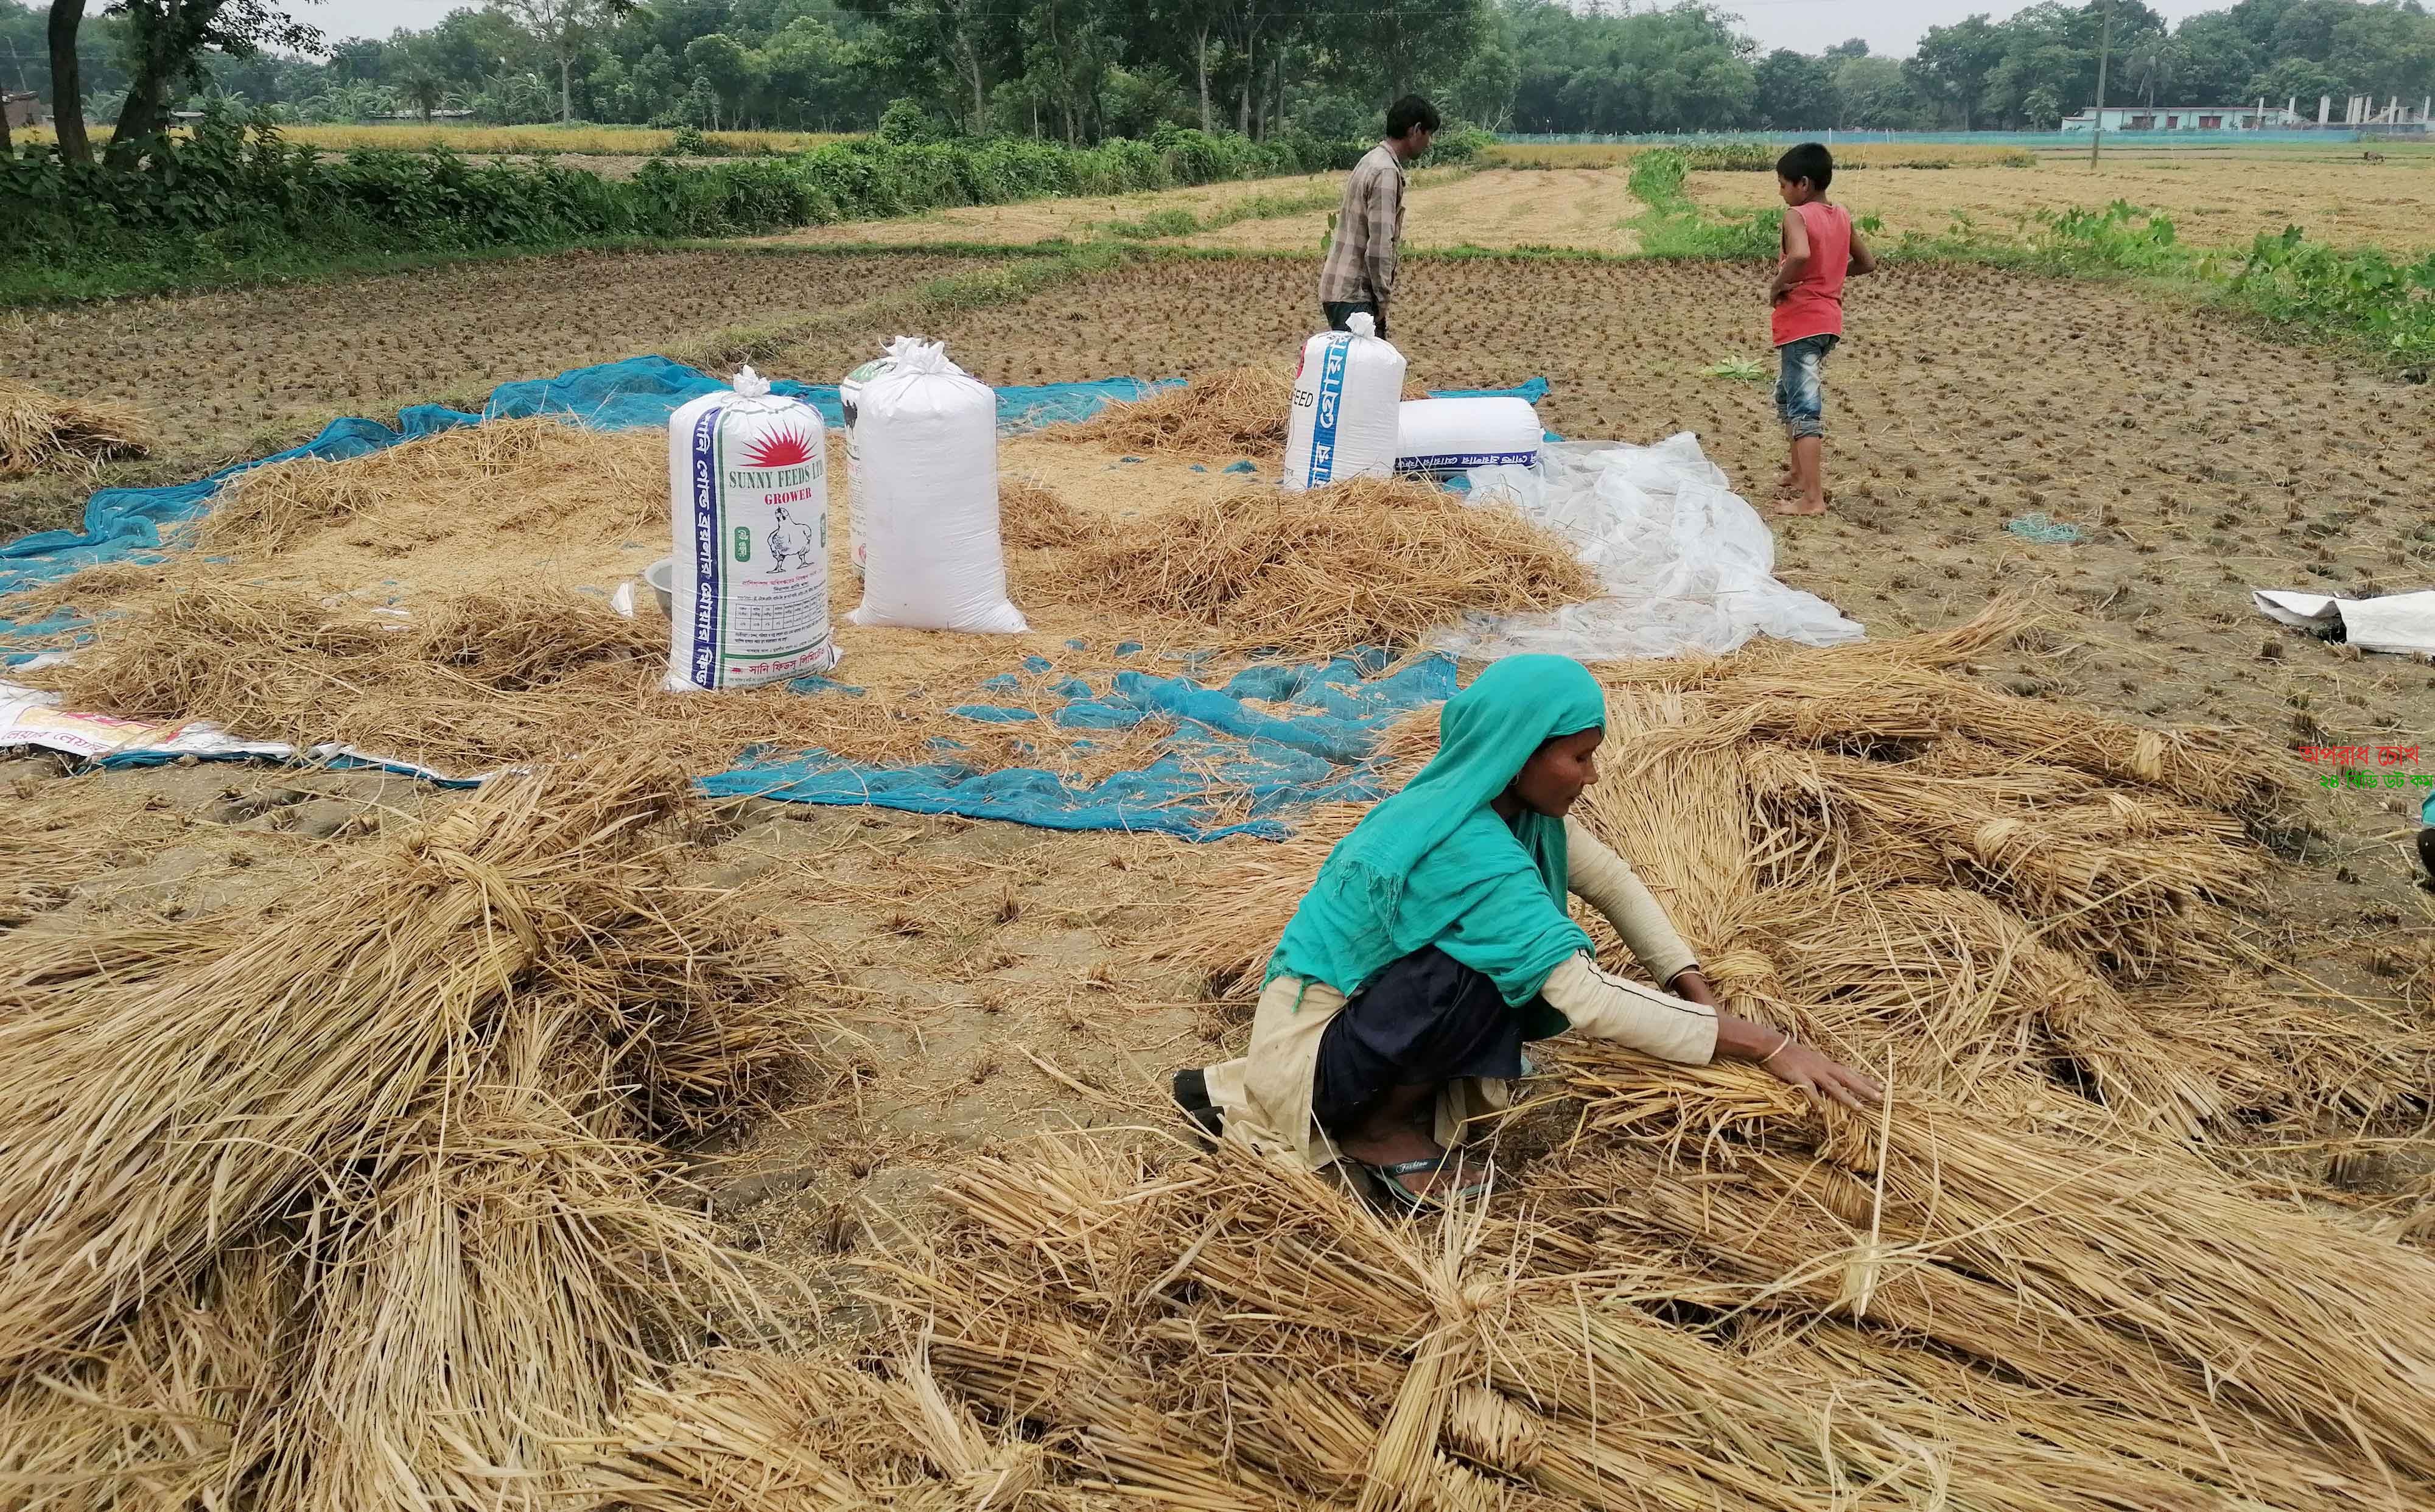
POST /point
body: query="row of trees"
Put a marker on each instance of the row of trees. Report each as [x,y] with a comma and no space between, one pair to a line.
[1084,70]
[1689,68]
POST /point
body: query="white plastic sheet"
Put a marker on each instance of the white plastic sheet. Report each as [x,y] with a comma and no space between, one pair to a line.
[1686,563]
[2397,621]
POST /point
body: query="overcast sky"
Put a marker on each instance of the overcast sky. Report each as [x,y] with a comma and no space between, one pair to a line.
[1892,26]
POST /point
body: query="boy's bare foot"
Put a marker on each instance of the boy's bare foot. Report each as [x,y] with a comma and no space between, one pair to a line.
[1794,504]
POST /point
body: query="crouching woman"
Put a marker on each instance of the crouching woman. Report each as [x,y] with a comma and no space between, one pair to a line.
[1435,942]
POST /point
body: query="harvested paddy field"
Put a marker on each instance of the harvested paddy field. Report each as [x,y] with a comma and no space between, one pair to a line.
[1495,207]
[2213,201]
[1071,220]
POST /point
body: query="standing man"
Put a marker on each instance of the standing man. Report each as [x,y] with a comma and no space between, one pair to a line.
[1358,276]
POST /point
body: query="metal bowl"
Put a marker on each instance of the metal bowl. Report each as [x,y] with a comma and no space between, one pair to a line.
[660,577]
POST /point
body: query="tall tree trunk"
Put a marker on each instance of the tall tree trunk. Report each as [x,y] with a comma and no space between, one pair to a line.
[161,45]
[67,89]
[7,147]
[1201,55]
[565,89]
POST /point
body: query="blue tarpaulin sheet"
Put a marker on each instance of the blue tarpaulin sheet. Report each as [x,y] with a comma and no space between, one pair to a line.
[1275,737]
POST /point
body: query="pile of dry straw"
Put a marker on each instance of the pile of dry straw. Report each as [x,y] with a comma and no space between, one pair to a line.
[372,1204]
[40,430]
[495,660]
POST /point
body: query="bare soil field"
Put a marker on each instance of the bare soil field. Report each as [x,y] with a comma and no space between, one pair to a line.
[2213,201]
[1495,208]
[242,373]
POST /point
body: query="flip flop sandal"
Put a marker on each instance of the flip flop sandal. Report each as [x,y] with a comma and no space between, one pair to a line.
[1191,1091]
[1389,1180]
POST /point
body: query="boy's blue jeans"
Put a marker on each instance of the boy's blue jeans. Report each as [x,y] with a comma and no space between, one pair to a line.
[1800,394]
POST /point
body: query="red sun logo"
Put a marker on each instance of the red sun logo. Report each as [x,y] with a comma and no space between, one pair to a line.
[780,449]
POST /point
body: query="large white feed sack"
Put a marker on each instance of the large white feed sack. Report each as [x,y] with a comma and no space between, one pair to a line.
[1344,399]
[929,433]
[1450,435]
[748,515]
[858,503]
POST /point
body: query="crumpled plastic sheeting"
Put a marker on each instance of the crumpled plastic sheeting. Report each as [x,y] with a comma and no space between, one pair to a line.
[1686,563]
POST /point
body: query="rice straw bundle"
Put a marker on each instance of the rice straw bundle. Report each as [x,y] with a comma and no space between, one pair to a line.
[40,430]
[1228,413]
[423,1094]
[165,1115]
[178,1414]
[488,1298]
[2089,1254]
[1227,1334]
[1365,562]
[1894,704]
[752,1431]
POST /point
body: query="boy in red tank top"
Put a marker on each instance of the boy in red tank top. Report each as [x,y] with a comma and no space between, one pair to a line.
[1820,248]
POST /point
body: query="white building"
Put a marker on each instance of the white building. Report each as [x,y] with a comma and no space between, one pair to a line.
[2188,118]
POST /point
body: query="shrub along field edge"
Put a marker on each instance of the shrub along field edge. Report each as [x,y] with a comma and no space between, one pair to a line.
[234,202]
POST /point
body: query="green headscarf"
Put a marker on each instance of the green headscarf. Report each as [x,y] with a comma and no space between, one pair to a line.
[1434,865]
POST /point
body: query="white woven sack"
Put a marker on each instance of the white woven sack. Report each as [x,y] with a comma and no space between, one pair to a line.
[858,503]
[1451,434]
[928,433]
[1344,402]
[749,517]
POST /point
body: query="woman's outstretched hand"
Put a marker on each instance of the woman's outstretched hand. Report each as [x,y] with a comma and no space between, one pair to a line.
[1786,1058]
[1822,1077]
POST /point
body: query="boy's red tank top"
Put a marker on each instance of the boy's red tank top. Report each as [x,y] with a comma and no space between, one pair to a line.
[1814,306]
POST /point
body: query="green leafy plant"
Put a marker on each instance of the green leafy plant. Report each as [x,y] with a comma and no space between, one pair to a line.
[1746,369]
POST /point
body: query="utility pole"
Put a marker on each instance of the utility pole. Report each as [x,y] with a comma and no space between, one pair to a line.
[2097,116]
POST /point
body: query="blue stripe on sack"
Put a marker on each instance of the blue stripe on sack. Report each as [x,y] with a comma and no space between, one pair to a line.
[1457,461]
[706,571]
[1331,398]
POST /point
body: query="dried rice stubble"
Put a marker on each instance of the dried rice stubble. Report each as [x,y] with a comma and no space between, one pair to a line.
[40,430]
[1368,562]
[1230,413]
